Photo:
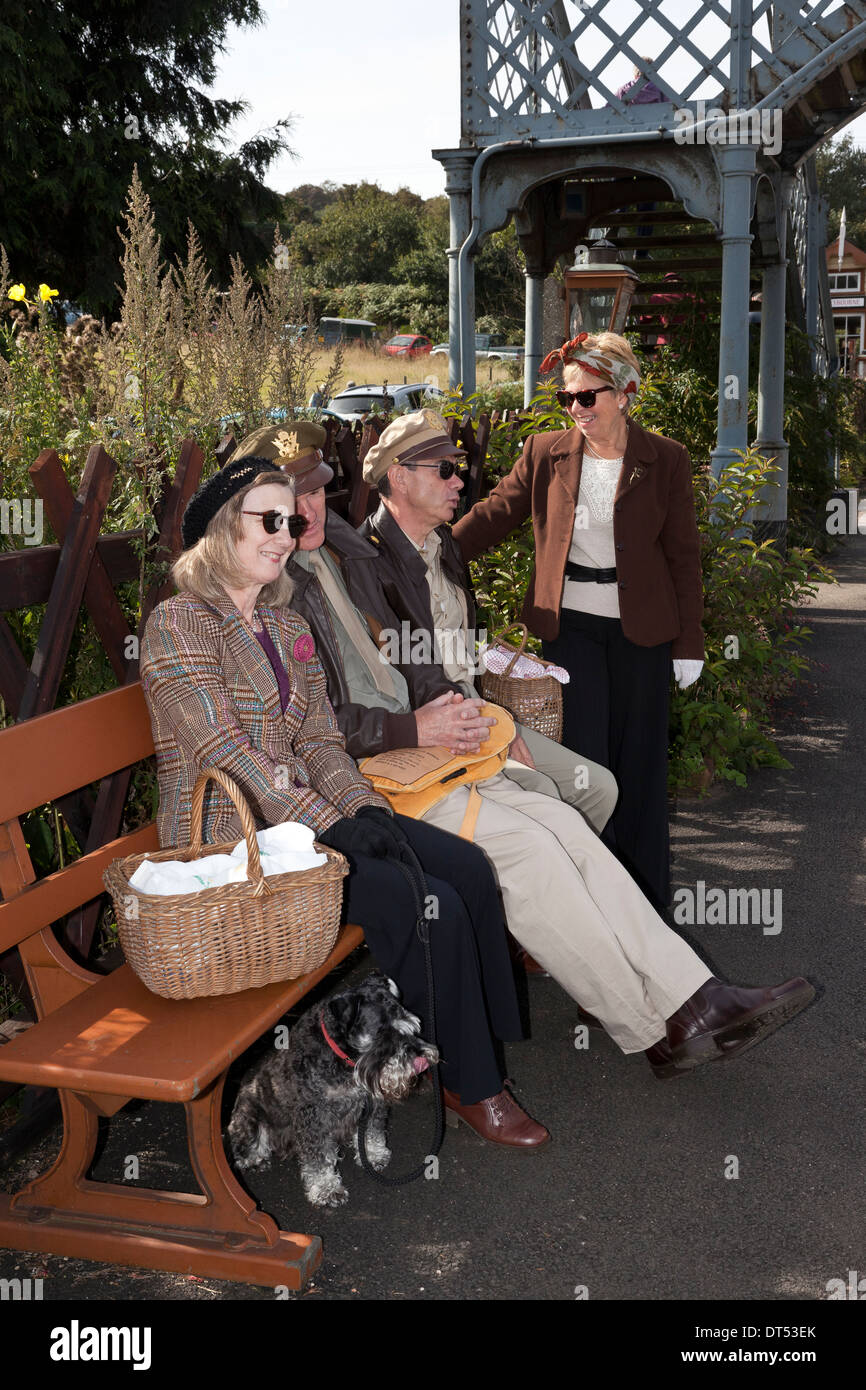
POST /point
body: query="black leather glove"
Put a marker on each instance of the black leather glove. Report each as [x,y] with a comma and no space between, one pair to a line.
[353,835]
[379,816]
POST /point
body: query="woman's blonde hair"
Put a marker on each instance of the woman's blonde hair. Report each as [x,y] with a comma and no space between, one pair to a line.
[614,345]
[210,567]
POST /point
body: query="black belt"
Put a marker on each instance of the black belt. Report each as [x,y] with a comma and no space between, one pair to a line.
[582,573]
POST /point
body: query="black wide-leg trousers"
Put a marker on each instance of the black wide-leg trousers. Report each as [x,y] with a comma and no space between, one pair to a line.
[475,998]
[615,711]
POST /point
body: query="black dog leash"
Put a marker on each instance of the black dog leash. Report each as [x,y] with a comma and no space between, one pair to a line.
[415,875]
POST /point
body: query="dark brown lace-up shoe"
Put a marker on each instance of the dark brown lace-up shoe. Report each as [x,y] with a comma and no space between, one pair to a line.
[498,1120]
[522,960]
[721,1021]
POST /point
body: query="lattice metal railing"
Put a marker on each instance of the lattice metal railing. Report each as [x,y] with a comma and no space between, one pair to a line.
[529,66]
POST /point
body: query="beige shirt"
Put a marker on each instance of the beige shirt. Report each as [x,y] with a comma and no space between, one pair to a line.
[592,537]
[450,615]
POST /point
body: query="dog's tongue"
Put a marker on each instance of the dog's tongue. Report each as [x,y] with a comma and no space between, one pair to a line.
[419,1064]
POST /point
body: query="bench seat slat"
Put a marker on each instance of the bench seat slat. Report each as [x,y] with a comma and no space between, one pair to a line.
[39,904]
[60,752]
[119,1038]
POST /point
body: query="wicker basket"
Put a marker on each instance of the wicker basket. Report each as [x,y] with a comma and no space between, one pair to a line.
[233,937]
[535,703]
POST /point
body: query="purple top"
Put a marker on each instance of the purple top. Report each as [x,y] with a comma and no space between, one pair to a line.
[640,91]
[279,669]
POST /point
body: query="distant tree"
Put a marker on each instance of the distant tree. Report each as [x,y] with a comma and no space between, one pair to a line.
[91,88]
[314,196]
[359,237]
[841,169]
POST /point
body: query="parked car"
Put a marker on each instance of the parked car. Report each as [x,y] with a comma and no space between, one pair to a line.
[489,346]
[354,404]
[408,345]
[332,331]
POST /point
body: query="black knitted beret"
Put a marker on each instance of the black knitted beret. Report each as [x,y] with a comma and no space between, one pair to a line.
[213,494]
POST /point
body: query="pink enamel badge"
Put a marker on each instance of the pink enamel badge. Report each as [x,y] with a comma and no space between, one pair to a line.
[304,647]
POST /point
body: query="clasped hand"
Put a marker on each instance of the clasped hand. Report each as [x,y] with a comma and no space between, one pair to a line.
[454,722]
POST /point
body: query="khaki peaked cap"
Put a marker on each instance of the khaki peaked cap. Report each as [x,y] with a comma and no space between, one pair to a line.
[295,447]
[421,434]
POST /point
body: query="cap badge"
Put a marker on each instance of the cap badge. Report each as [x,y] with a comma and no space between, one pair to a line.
[287,444]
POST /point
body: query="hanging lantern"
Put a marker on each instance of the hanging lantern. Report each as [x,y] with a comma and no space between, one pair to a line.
[599,290]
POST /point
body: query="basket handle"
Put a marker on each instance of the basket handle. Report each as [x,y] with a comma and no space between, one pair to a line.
[513,627]
[254,862]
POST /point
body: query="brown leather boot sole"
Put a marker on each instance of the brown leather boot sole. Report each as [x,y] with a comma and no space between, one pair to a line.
[733,1039]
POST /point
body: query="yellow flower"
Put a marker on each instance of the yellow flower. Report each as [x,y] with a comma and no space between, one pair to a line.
[17,292]
[45,293]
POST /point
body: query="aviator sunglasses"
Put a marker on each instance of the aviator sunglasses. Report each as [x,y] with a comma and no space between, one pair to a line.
[583,398]
[273,520]
[447,467]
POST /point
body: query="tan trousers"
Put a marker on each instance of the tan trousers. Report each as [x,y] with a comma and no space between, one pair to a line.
[588,786]
[571,904]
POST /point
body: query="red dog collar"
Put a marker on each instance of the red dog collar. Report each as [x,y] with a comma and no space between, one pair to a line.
[331,1044]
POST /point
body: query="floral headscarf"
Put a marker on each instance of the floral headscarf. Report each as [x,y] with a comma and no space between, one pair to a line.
[614,370]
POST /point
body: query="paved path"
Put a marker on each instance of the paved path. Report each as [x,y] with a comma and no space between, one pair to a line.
[632,1200]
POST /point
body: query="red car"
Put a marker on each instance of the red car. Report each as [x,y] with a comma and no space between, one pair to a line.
[408,345]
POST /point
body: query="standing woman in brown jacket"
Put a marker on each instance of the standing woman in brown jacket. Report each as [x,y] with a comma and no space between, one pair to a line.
[616,592]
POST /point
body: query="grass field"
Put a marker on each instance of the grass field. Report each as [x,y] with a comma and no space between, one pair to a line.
[367,367]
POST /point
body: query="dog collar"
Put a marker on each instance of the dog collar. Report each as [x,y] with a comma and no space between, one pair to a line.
[331,1044]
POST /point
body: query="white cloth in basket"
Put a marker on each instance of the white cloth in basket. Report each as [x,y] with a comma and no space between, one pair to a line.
[526,667]
[284,849]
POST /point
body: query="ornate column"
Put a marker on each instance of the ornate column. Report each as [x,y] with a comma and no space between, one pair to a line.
[737,165]
[772,522]
[458,185]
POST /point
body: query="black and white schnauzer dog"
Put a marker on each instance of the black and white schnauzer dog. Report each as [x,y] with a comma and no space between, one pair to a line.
[308,1098]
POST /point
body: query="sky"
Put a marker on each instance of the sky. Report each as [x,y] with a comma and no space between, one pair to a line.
[373,87]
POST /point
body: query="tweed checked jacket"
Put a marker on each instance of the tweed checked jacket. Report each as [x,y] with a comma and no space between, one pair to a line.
[214,702]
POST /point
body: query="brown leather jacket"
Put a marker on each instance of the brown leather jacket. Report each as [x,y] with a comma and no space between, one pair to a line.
[403,574]
[658,551]
[367,731]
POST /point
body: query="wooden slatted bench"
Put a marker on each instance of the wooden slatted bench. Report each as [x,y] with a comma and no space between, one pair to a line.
[102,1041]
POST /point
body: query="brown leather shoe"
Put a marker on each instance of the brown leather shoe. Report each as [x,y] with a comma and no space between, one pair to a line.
[498,1120]
[721,1021]
[524,961]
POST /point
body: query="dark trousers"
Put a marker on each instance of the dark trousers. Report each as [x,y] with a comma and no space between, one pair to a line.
[475,998]
[615,710]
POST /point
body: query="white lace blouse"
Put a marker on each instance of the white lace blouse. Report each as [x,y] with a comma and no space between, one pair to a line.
[592,537]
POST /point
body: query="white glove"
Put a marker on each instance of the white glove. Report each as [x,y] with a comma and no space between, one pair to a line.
[686,672]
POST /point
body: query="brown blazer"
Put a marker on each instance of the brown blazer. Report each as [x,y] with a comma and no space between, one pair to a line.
[658,552]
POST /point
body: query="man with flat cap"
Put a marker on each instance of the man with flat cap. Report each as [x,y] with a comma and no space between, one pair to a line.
[568,901]
[415,466]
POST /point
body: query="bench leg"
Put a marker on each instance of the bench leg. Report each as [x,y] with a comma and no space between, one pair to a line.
[217,1233]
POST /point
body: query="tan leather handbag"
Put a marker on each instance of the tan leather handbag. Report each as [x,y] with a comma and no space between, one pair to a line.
[414,779]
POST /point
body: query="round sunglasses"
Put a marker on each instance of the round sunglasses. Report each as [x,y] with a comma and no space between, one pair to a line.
[447,467]
[583,398]
[273,520]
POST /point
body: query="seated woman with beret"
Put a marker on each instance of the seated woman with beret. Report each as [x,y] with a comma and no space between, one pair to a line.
[232,680]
